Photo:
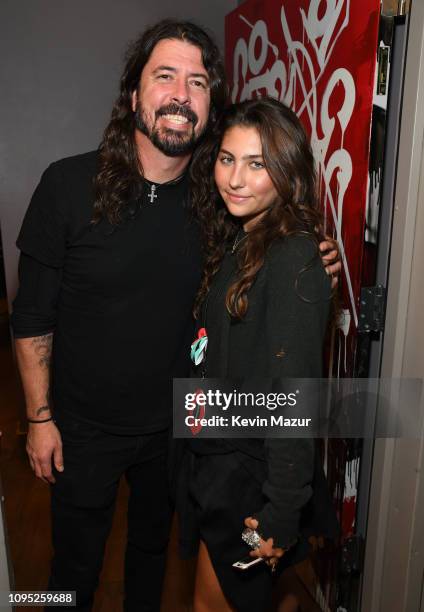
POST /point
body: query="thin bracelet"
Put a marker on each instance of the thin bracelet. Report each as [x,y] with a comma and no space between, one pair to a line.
[43,421]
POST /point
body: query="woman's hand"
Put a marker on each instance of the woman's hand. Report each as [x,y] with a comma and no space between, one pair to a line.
[266,548]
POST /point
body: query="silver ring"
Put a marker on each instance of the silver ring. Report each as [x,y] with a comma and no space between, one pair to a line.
[251,537]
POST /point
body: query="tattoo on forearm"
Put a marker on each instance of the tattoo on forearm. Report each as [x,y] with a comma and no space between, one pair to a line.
[43,348]
[42,409]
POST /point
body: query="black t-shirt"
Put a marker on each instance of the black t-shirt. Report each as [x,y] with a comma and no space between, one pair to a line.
[122,301]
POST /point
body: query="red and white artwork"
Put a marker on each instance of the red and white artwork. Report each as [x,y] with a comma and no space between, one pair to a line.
[319,58]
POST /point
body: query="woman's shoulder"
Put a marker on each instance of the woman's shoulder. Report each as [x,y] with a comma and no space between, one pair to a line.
[294,261]
[295,249]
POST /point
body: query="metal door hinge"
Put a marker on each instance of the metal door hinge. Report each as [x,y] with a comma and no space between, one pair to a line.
[372,309]
[382,69]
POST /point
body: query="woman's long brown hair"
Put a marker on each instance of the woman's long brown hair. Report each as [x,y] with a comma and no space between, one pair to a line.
[289,161]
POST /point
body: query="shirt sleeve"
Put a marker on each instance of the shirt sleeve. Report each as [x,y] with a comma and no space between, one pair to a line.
[34,308]
[287,489]
[298,300]
[44,228]
[42,242]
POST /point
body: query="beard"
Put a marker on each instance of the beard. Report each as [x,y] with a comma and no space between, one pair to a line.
[173,143]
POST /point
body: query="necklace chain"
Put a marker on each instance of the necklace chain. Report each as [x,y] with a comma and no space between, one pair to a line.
[153,194]
[237,241]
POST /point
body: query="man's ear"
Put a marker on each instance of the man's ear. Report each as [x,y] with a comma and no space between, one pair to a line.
[134,99]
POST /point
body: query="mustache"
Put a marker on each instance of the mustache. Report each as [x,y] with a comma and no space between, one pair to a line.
[176,109]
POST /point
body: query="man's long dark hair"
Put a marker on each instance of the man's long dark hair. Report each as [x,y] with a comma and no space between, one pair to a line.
[290,164]
[119,166]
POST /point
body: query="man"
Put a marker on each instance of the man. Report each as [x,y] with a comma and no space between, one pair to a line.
[110,264]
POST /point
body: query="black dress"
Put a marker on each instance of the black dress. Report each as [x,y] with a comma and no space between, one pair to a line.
[278,481]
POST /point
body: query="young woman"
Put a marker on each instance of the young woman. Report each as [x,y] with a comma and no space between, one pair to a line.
[264,302]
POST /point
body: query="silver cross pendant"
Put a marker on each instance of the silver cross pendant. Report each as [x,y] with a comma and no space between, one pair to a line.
[152,195]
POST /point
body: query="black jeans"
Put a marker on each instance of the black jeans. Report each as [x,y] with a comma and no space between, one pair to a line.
[83,502]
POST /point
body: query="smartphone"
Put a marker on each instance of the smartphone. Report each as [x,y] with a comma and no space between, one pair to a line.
[247,562]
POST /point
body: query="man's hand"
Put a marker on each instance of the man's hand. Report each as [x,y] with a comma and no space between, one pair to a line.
[266,548]
[44,445]
[330,257]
